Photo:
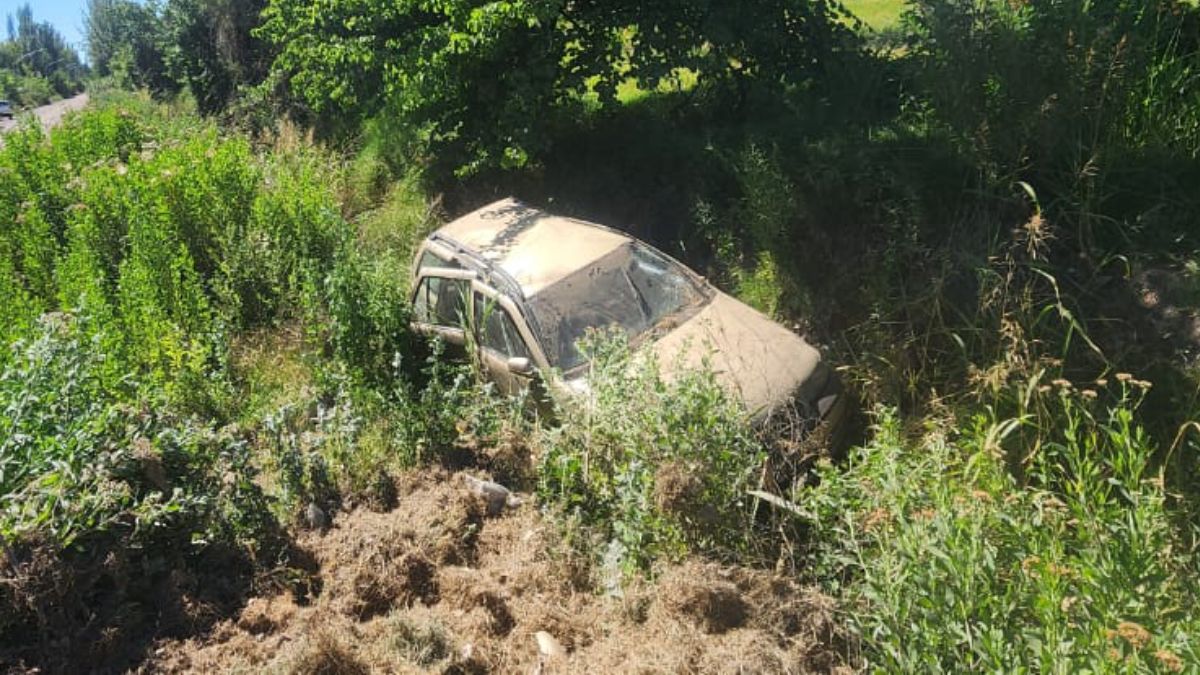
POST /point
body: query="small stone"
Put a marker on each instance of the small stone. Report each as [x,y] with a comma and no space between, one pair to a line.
[548,646]
[315,518]
[495,495]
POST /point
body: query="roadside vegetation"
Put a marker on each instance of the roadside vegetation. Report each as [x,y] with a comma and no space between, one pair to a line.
[37,66]
[988,221]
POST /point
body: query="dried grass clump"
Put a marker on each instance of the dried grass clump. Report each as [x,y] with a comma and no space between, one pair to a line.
[328,655]
[379,585]
[703,596]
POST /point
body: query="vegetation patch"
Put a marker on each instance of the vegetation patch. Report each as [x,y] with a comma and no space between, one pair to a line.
[221,447]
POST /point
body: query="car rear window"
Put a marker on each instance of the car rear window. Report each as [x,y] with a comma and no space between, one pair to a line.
[439,301]
[431,259]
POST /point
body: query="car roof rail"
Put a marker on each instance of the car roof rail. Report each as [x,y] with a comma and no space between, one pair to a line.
[494,274]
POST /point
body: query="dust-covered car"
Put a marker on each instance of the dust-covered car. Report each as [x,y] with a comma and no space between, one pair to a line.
[529,285]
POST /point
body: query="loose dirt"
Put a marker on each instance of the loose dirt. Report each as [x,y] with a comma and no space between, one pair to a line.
[435,585]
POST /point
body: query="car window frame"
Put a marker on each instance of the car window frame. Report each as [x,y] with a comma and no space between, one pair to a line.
[487,310]
[453,334]
[536,355]
[443,253]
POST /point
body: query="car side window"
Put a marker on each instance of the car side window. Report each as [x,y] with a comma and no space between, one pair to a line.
[439,301]
[497,331]
[431,259]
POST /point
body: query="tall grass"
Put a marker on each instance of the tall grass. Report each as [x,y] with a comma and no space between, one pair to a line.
[657,467]
[945,560]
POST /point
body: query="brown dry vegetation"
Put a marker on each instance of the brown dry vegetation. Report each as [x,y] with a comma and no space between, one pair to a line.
[433,585]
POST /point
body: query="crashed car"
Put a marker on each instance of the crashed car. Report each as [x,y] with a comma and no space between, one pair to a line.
[529,285]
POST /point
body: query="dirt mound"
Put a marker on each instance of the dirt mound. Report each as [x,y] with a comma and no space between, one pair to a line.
[98,609]
[436,586]
[699,595]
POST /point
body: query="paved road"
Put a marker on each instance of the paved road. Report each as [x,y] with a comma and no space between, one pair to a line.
[49,114]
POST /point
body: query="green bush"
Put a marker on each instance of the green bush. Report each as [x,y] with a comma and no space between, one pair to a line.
[93,471]
[1093,103]
[445,403]
[368,316]
[83,459]
[170,242]
[657,468]
[945,561]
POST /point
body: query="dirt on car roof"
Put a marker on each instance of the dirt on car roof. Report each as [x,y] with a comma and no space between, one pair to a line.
[436,585]
[537,249]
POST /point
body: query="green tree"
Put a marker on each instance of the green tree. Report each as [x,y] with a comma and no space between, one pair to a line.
[126,39]
[36,50]
[477,81]
[212,49]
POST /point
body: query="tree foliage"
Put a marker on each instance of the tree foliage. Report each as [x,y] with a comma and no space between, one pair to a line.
[203,45]
[479,81]
[36,63]
[126,40]
[212,50]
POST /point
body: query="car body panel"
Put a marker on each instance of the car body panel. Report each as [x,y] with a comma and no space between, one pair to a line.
[751,355]
[485,302]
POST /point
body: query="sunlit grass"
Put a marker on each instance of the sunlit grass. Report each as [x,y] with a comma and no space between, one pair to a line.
[878,14]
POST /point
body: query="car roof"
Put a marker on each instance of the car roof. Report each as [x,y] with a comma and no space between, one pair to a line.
[534,248]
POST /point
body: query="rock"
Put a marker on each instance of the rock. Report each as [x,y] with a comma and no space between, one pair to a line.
[315,518]
[495,495]
[548,646]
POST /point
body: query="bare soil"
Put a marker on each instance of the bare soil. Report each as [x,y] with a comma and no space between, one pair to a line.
[434,585]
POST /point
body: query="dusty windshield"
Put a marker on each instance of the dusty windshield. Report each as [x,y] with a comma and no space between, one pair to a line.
[633,288]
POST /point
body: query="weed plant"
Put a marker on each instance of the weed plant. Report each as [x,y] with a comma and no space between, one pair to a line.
[139,247]
[947,561]
[659,468]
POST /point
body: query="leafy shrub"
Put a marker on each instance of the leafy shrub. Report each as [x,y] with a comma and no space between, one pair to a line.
[368,316]
[947,561]
[1072,97]
[107,498]
[452,402]
[32,91]
[82,459]
[294,444]
[168,242]
[657,468]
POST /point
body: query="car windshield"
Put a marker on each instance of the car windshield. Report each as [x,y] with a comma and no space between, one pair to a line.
[633,288]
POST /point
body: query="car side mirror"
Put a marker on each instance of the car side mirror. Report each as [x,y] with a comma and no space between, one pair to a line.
[520,365]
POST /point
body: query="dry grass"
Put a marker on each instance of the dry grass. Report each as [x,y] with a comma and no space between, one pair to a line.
[433,585]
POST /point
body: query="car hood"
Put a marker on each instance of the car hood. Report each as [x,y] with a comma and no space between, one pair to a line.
[753,357]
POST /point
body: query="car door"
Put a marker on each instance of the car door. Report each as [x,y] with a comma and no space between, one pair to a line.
[440,307]
[504,352]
